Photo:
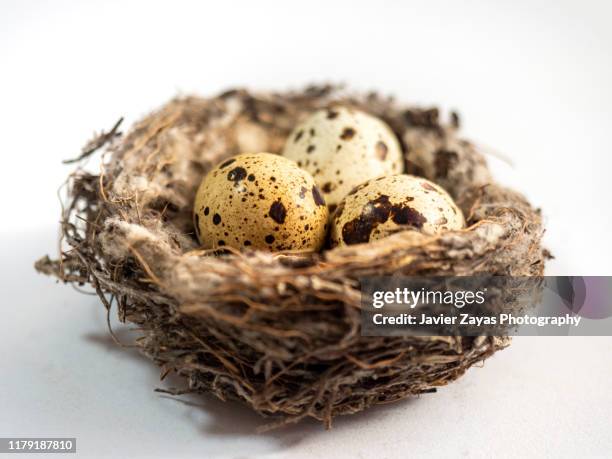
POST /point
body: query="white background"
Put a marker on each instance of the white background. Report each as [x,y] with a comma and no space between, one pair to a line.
[532,80]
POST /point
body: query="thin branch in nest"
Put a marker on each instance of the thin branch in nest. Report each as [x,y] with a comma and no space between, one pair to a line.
[97,142]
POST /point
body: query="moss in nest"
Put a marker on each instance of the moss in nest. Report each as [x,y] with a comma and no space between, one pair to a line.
[278,332]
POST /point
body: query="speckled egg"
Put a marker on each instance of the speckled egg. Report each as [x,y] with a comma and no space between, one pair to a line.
[342,147]
[260,201]
[386,205]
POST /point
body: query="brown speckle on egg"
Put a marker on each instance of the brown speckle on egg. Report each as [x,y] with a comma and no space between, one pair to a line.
[226,163]
[316,195]
[236,175]
[406,215]
[278,212]
[428,186]
[347,134]
[381,150]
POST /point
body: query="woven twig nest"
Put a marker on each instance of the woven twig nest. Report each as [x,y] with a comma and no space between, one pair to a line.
[279,332]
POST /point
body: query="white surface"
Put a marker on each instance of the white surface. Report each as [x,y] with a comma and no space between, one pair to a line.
[63,376]
[531,79]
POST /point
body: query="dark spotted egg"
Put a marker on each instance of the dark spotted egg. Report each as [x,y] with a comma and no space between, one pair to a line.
[260,201]
[386,205]
[342,147]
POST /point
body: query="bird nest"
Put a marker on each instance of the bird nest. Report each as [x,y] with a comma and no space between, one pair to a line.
[277,331]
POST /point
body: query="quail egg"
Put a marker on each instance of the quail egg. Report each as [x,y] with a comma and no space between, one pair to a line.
[383,206]
[342,147]
[260,201]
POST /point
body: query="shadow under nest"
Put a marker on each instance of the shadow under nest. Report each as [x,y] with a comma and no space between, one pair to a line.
[279,332]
